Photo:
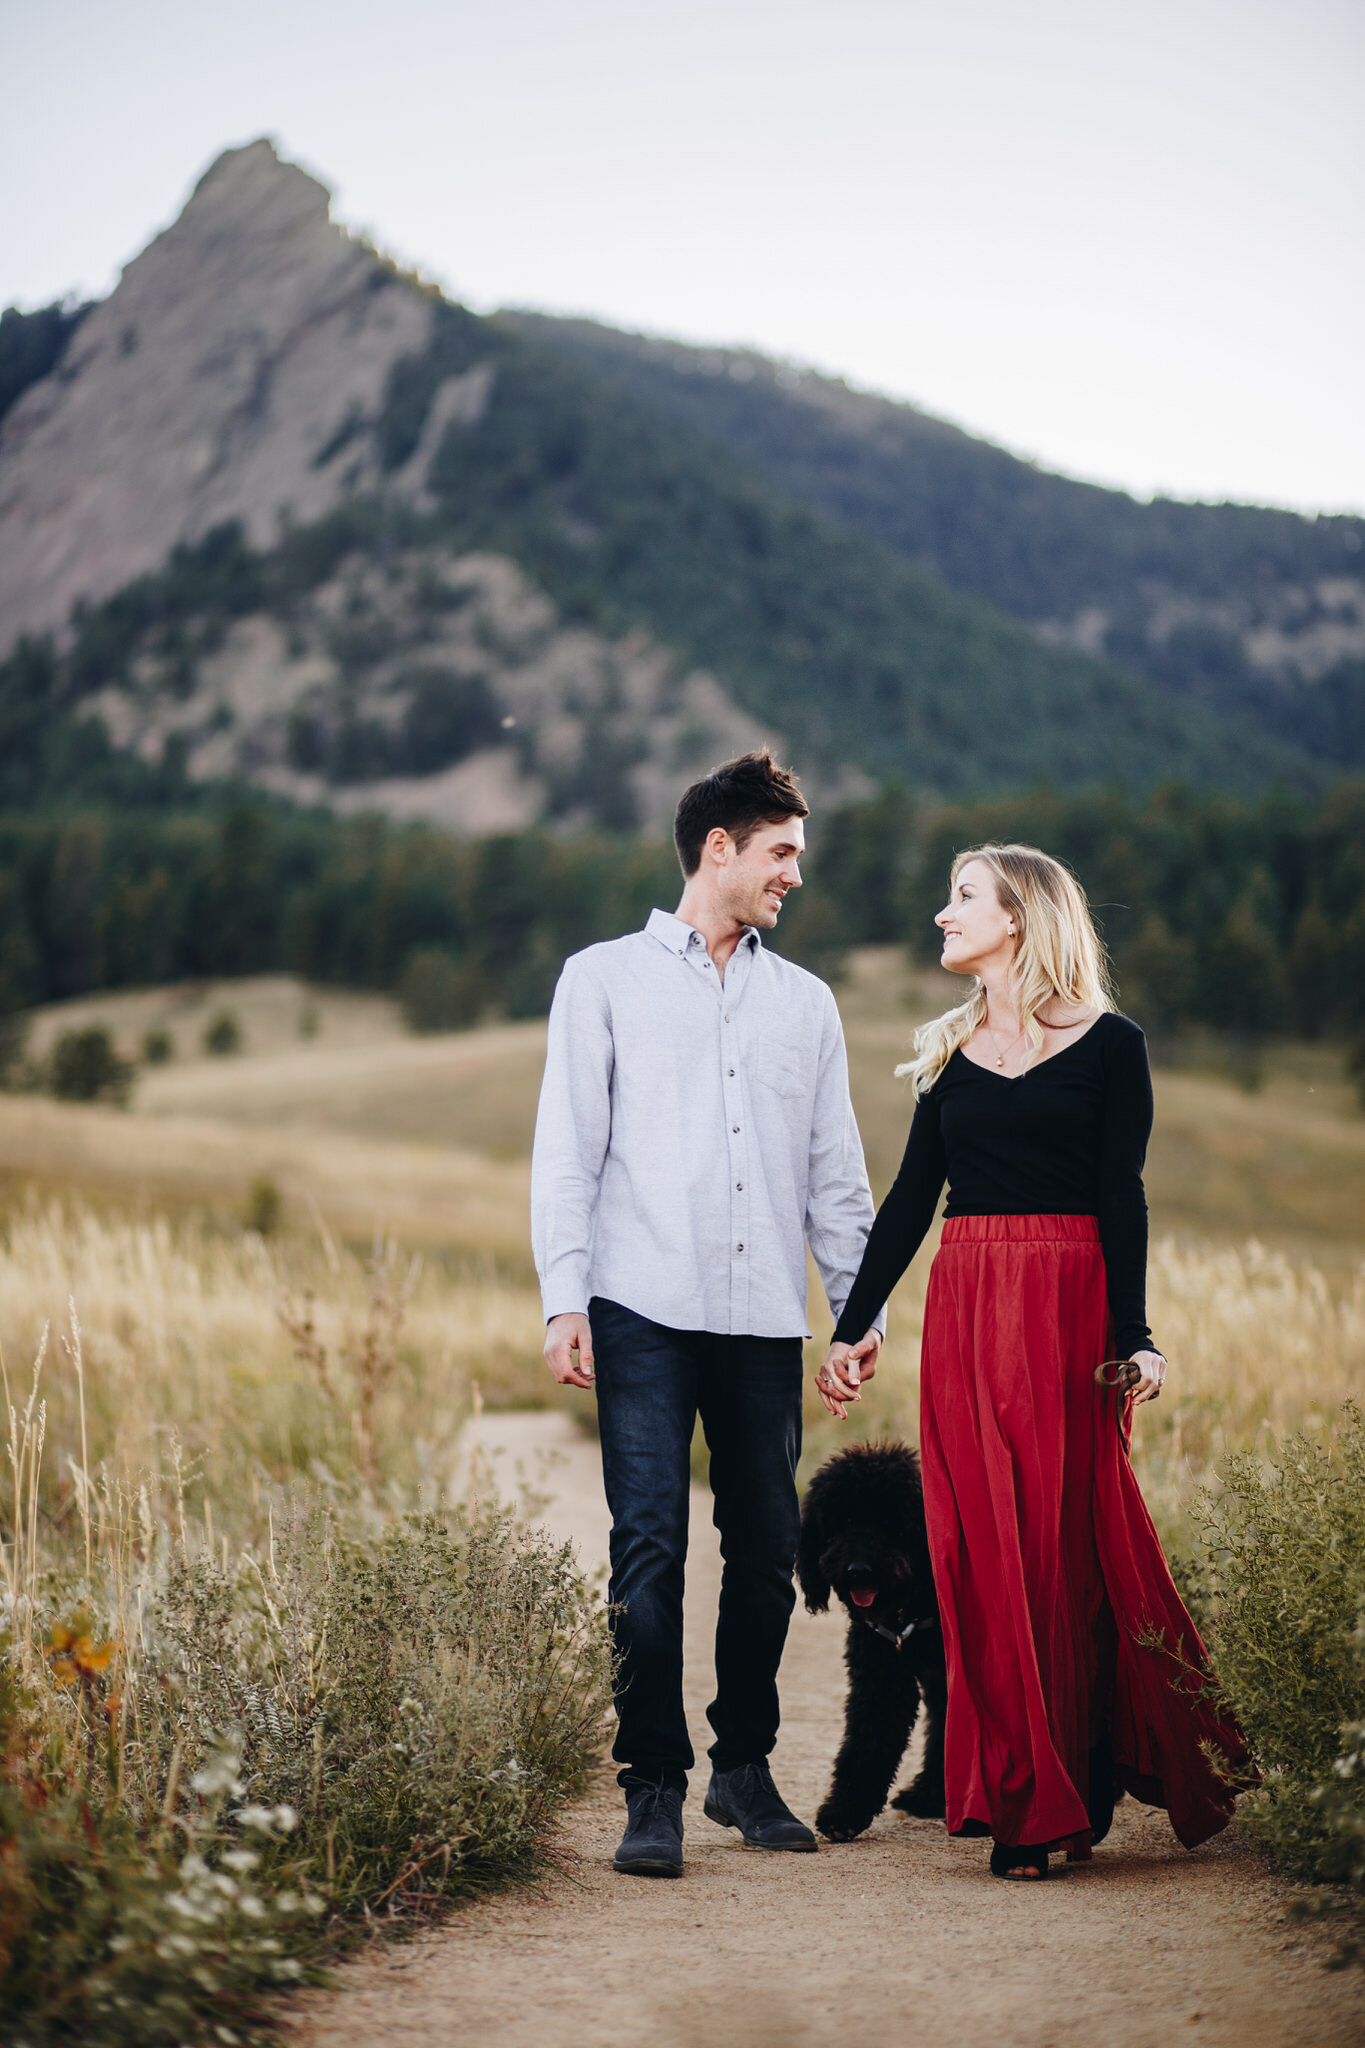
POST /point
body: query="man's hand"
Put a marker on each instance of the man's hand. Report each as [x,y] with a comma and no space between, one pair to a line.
[568,1350]
[844,1372]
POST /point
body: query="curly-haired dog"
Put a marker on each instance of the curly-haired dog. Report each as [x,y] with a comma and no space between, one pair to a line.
[863,1539]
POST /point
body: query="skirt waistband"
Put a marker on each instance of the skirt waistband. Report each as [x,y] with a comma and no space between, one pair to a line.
[1021,1230]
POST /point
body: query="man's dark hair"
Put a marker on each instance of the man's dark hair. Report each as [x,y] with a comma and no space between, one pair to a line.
[739,796]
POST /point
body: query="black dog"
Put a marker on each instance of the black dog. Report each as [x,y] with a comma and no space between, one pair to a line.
[863,1538]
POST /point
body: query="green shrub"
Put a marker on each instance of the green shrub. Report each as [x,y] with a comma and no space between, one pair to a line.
[223,1034]
[373,1718]
[448,717]
[424,1697]
[157,1046]
[439,993]
[85,1067]
[263,1206]
[1355,1067]
[1284,1587]
[110,1937]
[13,1039]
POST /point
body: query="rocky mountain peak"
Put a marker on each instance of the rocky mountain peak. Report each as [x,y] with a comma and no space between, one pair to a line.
[207,387]
[252,184]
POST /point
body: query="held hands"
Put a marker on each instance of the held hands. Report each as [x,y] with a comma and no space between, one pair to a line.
[568,1350]
[844,1372]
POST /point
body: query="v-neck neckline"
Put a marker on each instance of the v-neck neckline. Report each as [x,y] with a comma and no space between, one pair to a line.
[993,1073]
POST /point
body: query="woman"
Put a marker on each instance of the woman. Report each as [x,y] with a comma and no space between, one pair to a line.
[1072,1664]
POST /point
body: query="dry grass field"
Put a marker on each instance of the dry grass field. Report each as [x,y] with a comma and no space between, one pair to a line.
[371,1136]
[435,1132]
[281,1282]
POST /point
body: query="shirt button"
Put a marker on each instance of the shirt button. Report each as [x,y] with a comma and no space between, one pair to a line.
[735,1129]
[731,1072]
[739,1186]
[739,1247]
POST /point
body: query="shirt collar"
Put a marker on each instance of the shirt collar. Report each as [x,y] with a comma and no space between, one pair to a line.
[683,938]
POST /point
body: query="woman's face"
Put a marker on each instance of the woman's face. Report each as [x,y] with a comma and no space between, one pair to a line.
[978,932]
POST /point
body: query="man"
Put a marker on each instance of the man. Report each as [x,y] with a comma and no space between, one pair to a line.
[694,1134]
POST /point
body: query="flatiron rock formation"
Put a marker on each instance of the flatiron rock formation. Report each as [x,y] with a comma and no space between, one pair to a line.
[237,374]
[219,381]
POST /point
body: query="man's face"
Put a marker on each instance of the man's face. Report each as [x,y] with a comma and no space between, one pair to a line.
[757,876]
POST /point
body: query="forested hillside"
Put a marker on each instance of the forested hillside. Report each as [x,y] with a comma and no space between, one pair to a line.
[624,523]
[370,526]
[526,579]
[856,654]
[1257,613]
[1248,918]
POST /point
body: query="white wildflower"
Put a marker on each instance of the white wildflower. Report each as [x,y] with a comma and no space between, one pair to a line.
[219,1777]
[172,1946]
[267,1820]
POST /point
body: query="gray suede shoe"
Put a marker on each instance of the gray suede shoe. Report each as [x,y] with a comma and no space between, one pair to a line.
[652,1843]
[747,1799]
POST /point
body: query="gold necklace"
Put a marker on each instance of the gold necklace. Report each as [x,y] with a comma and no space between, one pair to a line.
[1001,1057]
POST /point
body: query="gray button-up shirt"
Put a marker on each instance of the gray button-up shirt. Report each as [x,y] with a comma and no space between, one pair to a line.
[693,1136]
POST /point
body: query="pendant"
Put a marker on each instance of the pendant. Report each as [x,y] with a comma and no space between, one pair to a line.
[1000,1062]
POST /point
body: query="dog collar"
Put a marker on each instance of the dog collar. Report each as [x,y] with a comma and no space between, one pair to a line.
[899,1637]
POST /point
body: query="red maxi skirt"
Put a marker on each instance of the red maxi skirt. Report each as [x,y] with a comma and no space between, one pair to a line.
[1060,1616]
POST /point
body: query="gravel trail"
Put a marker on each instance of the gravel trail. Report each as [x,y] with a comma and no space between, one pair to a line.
[900,1937]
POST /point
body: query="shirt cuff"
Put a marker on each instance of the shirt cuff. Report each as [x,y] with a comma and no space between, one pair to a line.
[564,1298]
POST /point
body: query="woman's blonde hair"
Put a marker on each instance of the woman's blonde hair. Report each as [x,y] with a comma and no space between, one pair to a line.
[1058,956]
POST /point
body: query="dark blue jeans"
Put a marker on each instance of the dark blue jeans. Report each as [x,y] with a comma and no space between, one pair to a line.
[652,1383]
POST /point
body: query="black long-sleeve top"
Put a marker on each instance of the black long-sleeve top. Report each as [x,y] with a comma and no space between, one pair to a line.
[1067,1137]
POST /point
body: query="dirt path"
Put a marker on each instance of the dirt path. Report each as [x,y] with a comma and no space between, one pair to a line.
[900,1937]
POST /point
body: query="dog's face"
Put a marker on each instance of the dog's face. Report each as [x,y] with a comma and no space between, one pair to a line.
[863,1537]
[869,1574]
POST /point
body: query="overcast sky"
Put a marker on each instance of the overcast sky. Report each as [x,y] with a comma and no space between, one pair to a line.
[1123,236]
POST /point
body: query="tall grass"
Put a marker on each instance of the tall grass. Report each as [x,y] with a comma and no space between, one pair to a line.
[262,1677]
[1262,1347]
[241,1360]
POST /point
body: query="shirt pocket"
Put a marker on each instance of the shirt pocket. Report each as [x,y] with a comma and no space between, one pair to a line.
[782,1073]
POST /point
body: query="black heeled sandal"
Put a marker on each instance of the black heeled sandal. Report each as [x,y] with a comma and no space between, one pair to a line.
[1021,1861]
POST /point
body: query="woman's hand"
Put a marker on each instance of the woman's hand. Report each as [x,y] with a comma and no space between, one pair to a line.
[1152,1367]
[844,1371]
